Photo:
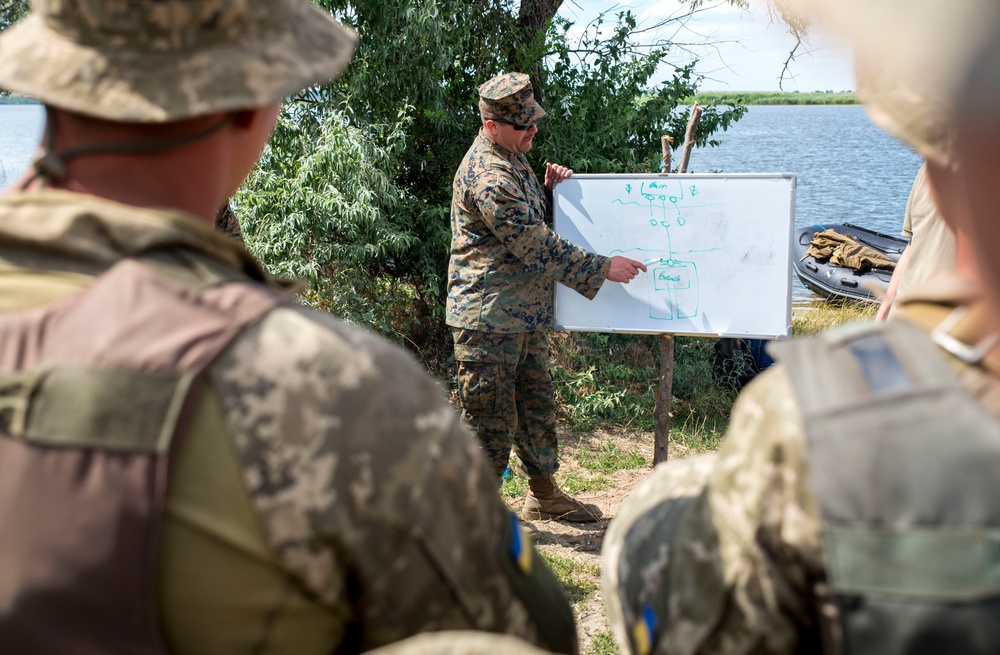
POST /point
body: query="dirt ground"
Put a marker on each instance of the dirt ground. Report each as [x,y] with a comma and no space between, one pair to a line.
[581,542]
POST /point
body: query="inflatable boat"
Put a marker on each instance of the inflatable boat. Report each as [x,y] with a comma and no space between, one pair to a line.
[837,282]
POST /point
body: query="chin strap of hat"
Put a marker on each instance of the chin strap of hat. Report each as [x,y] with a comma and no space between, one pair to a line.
[50,166]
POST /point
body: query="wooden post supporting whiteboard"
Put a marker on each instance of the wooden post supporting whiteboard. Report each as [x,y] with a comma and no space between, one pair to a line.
[661,413]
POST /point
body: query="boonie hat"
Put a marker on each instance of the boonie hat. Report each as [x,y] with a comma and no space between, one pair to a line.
[510,98]
[636,560]
[150,62]
[460,642]
[911,57]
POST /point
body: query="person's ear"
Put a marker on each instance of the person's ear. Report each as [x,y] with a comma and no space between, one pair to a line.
[244,118]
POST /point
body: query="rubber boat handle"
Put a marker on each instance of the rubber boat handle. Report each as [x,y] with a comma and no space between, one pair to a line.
[850,283]
[812,267]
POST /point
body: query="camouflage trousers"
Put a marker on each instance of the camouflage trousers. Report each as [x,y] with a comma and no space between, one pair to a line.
[508,398]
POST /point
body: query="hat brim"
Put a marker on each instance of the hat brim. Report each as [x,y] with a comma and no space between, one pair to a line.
[298,47]
[529,116]
[910,57]
[646,522]
[537,114]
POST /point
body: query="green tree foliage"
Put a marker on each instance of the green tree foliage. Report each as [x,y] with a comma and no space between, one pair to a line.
[604,116]
[354,190]
[12,11]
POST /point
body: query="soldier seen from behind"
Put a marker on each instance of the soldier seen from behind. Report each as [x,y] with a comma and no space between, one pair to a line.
[505,261]
[852,508]
[190,461]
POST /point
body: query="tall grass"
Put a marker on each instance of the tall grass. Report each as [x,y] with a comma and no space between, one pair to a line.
[822,315]
[612,380]
[12,99]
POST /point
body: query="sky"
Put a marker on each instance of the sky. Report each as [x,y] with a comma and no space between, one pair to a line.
[738,49]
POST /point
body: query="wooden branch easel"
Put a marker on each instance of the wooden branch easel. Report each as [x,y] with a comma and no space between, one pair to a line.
[661,413]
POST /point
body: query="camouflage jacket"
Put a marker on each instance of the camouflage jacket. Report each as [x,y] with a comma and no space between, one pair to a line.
[728,546]
[505,259]
[325,497]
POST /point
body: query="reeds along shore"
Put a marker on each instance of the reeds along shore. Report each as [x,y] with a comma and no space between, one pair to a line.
[771,98]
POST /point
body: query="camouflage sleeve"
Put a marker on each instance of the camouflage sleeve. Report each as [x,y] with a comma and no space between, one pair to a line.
[370,490]
[736,550]
[507,213]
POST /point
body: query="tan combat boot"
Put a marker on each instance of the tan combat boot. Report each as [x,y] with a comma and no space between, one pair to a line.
[546,501]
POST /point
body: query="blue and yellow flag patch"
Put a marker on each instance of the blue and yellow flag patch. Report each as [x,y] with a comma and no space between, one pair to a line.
[644,631]
[520,546]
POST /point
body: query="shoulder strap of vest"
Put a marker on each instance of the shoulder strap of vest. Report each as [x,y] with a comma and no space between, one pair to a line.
[199,270]
[139,333]
[842,366]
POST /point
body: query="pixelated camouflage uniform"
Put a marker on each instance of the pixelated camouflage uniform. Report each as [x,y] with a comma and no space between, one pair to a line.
[324,495]
[725,553]
[227,223]
[505,261]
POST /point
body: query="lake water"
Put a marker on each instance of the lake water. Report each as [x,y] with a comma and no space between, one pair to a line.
[20,130]
[848,170]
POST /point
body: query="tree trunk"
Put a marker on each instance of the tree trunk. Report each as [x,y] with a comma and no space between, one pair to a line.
[532,20]
[692,127]
[666,143]
[661,413]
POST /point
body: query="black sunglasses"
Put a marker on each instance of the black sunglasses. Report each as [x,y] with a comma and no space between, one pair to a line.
[517,128]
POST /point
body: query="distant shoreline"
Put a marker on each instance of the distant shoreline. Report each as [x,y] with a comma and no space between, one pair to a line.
[773,98]
[705,98]
[18,100]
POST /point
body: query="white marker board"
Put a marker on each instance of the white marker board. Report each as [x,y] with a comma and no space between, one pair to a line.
[717,249]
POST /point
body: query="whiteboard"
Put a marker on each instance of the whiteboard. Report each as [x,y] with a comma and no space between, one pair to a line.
[717,248]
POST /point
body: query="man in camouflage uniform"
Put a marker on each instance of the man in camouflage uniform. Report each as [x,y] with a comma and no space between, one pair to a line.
[505,261]
[192,462]
[852,507]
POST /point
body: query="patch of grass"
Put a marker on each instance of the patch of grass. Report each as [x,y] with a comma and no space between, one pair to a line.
[574,482]
[603,643]
[513,487]
[579,580]
[613,379]
[822,315]
[609,458]
[697,434]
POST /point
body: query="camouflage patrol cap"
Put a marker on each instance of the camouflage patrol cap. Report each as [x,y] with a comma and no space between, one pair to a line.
[636,555]
[510,97]
[151,61]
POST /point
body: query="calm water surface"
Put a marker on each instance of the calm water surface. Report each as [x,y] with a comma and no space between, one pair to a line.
[20,131]
[848,170]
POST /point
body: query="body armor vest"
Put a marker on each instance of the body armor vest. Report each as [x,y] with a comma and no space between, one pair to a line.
[905,468]
[95,391]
